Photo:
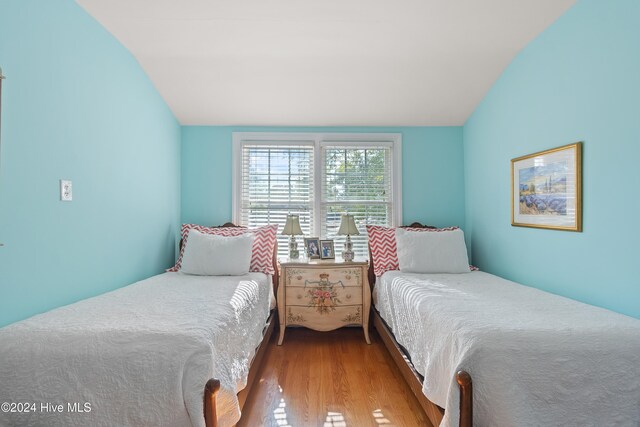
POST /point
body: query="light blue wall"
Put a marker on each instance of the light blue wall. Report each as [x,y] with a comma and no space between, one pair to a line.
[76,105]
[432,171]
[578,81]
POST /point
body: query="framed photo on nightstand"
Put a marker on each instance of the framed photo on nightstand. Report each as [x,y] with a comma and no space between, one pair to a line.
[312,247]
[326,249]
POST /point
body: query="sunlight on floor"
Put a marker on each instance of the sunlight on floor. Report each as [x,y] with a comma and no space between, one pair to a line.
[280,414]
[380,418]
[335,419]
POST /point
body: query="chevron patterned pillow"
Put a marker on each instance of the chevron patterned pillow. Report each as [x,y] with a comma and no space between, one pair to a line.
[384,252]
[261,252]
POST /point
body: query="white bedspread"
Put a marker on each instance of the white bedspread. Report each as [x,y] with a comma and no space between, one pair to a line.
[140,355]
[535,358]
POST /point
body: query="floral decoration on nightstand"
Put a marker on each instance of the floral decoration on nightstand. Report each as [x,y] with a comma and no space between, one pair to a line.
[294,273]
[352,272]
[291,318]
[323,296]
[354,318]
[324,299]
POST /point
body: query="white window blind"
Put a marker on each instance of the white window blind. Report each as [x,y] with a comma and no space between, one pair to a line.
[277,180]
[318,177]
[356,180]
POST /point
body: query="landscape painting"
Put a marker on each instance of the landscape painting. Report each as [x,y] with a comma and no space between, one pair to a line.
[546,189]
[543,189]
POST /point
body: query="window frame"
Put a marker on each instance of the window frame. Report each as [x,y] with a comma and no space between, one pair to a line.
[319,140]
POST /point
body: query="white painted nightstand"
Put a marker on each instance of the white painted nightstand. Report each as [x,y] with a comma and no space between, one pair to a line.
[323,295]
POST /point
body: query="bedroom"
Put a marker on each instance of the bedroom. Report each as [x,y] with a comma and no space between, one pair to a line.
[77,105]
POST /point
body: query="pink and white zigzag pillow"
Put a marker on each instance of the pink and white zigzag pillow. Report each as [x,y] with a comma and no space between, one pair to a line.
[384,250]
[261,251]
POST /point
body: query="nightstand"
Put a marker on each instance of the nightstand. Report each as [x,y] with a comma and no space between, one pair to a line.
[323,295]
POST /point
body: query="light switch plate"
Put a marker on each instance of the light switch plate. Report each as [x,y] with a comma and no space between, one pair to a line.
[66,190]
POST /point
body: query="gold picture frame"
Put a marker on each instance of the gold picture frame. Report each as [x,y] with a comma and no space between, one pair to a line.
[546,189]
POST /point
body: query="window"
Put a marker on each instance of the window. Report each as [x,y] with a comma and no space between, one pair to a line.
[319,177]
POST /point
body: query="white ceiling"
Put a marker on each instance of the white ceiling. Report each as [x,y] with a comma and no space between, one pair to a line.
[327,62]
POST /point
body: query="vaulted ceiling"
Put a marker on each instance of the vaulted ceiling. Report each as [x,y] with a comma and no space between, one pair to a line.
[324,63]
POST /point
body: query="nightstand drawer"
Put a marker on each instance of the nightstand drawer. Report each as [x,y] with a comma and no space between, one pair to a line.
[310,316]
[328,296]
[344,276]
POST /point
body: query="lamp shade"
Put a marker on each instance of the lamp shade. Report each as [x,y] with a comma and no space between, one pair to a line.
[292,226]
[348,226]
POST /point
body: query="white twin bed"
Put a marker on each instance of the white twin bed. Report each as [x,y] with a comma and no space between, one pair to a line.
[480,350]
[536,359]
[141,355]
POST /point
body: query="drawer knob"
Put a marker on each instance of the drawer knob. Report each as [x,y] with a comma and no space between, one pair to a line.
[299,296]
[348,296]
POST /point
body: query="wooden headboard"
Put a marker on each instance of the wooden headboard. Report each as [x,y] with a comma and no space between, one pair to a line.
[371,274]
[276,275]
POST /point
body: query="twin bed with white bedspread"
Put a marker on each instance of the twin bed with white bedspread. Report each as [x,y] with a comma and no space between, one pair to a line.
[535,358]
[140,355]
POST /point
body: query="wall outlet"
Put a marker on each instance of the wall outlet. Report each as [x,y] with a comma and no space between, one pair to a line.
[66,190]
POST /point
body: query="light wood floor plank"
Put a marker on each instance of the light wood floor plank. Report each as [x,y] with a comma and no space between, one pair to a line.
[331,379]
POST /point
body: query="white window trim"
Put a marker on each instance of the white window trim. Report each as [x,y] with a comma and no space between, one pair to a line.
[319,140]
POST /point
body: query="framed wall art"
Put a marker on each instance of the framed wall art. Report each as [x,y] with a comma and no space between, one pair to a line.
[546,189]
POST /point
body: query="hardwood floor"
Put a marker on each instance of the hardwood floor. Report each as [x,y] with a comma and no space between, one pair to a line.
[330,379]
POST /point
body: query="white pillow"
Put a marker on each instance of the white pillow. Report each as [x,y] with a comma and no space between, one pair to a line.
[432,251]
[211,255]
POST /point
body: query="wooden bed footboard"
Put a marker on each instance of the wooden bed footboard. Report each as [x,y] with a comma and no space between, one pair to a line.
[466,398]
[210,393]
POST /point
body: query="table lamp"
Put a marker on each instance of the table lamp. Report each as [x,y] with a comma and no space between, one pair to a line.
[348,228]
[292,228]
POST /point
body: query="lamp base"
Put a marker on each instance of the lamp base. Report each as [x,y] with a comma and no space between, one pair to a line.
[294,253]
[347,253]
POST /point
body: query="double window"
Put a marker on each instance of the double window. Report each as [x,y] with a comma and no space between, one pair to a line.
[318,177]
